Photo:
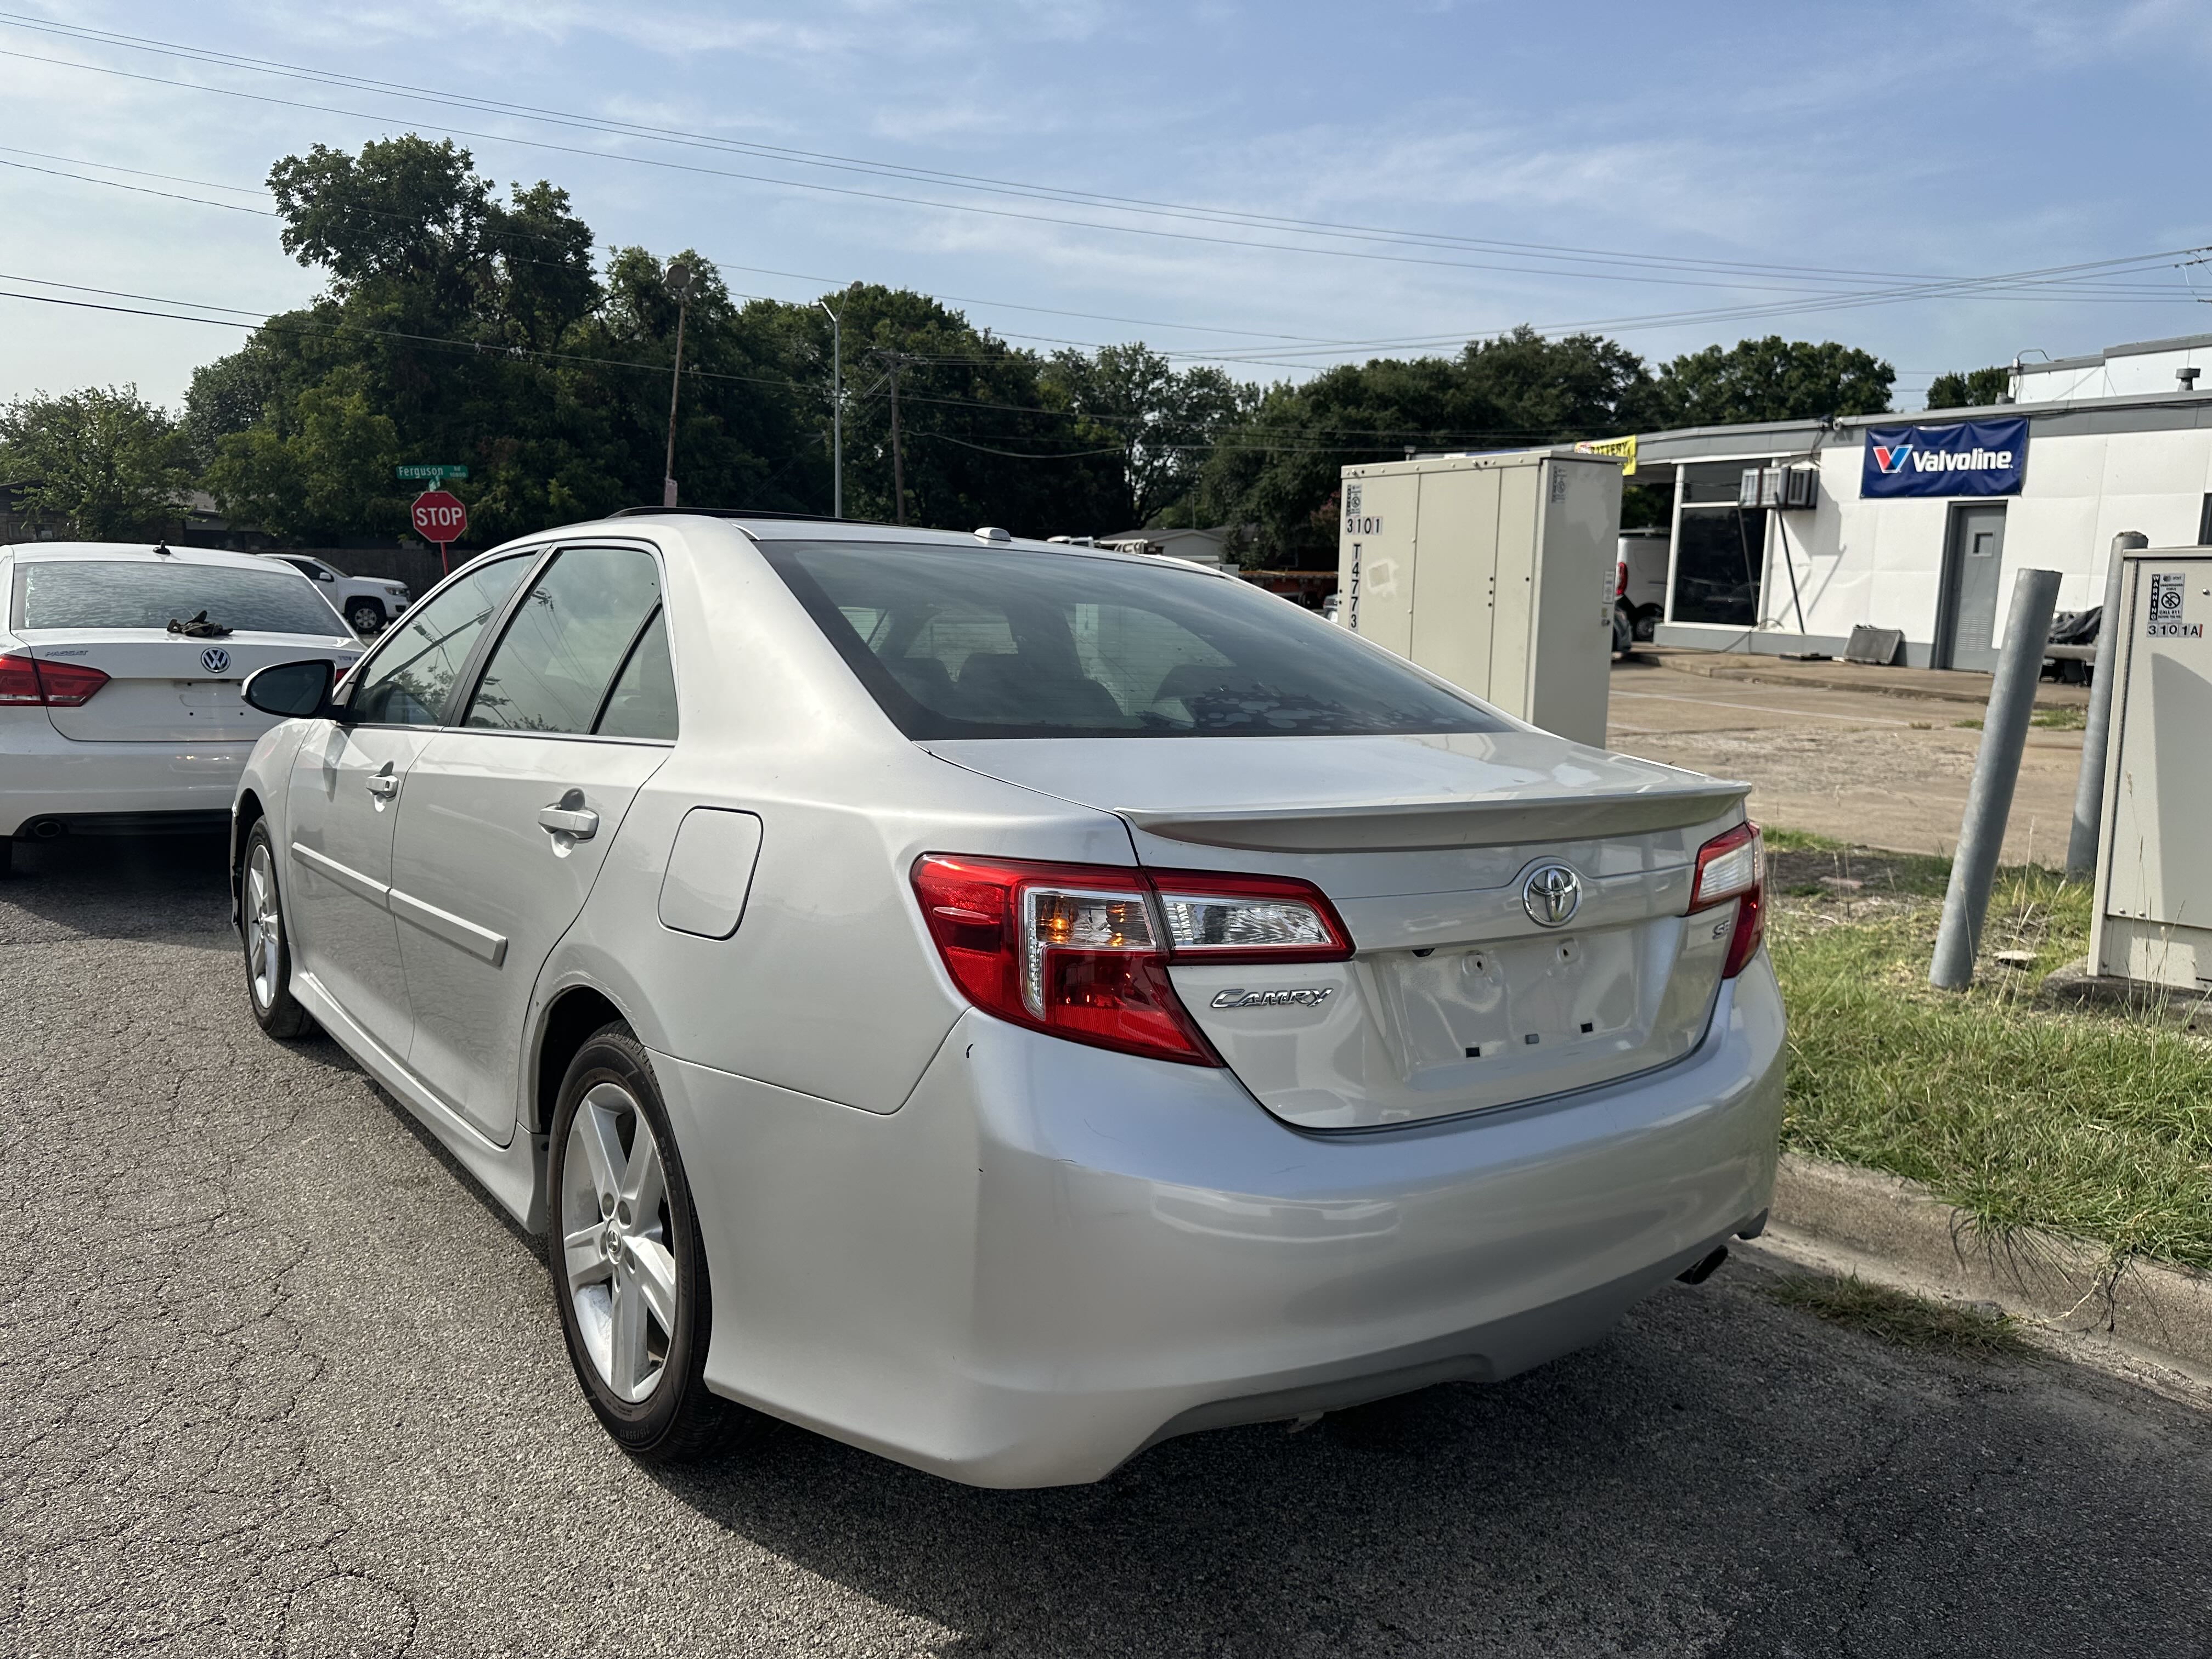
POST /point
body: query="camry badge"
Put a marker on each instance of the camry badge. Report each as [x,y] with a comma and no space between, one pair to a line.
[1551,895]
[215,659]
[1303,996]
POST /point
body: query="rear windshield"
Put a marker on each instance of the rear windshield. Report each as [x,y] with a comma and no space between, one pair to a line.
[954,643]
[143,593]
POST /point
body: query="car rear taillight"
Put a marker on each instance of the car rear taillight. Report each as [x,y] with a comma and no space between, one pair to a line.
[1733,866]
[1083,951]
[56,684]
[1620,579]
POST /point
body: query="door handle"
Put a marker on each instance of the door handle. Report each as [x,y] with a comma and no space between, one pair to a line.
[570,817]
[382,784]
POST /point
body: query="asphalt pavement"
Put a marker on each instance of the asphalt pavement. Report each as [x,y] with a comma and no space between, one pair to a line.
[275,1378]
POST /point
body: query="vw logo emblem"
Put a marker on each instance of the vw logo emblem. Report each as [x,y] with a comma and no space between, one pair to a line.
[1551,895]
[215,659]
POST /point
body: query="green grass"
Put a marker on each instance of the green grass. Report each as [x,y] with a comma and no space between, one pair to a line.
[2090,1123]
[1902,1320]
[2057,717]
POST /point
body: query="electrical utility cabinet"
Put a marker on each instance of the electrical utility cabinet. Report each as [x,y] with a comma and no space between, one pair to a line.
[1495,571]
[2154,916]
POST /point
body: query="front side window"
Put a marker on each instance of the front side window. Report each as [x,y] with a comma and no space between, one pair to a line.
[151,593]
[407,680]
[954,643]
[570,638]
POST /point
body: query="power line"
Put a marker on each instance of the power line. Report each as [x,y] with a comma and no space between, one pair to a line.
[1982,287]
[1356,438]
[1523,269]
[924,175]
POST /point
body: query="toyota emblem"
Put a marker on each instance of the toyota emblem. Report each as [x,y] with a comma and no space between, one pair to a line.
[215,659]
[1551,895]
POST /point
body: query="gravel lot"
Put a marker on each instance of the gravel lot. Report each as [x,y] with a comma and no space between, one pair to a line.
[1885,770]
[275,1378]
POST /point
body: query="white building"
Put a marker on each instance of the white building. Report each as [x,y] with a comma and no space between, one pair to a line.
[1938,563]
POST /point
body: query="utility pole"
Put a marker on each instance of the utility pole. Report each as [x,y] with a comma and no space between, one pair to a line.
[679,279]
[837,413]
[893,361]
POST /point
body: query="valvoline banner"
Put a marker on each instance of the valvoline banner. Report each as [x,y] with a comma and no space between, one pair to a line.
[1969,458]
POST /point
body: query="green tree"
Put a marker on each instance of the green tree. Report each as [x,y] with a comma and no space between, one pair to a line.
[1768,379]
[1161,420]
[449,315]
[104,458]
[325,471]
[1278,471]
[1975,388]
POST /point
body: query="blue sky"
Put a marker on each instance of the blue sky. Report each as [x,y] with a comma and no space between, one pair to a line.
[1870,159]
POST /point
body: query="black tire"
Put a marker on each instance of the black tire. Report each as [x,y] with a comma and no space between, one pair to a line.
[677,1418]
[7,855]
[266,938]
[1624,632]
[365,617]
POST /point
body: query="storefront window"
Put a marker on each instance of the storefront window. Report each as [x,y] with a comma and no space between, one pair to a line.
[1718,554]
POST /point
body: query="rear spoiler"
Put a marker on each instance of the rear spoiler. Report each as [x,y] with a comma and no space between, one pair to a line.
[1426,825]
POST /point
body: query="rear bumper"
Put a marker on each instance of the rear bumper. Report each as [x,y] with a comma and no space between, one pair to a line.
[1051,1257]
[44,776]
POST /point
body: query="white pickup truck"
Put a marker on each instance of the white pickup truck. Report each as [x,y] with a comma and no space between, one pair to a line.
[367,602]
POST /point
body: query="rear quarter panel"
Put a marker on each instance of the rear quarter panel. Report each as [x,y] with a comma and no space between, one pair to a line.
[830,986]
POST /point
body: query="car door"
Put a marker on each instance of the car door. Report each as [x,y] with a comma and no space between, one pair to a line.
[509,815]
[346,797]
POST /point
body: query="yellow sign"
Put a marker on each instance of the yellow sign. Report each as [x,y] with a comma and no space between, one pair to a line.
[1622,449]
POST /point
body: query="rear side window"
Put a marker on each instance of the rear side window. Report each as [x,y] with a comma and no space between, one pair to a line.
[954,643]
[153,592]
[643,701]
[570,638]
[407,680]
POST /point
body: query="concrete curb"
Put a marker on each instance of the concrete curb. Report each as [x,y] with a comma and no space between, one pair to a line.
[2161,1311]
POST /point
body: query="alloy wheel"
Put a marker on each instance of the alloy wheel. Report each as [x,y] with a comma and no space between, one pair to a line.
[620,1270]
[265,926]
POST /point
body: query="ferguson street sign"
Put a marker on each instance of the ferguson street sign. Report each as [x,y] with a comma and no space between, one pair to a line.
[429,474]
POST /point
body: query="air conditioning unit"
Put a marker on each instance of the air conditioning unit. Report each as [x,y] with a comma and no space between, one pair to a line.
[1786,487]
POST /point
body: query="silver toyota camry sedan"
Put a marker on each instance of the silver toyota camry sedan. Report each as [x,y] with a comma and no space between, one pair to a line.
[1003,1003]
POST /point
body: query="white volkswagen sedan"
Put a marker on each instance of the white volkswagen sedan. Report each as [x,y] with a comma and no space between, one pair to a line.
[119,669]
[1001,1003]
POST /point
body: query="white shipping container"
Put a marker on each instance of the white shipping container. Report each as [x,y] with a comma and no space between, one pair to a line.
[1495,571]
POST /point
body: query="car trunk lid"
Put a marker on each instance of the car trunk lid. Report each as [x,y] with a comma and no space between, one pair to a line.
[167,688]
[1458,998]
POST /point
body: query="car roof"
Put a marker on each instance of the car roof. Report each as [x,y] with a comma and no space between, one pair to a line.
[141,552]
[777,528]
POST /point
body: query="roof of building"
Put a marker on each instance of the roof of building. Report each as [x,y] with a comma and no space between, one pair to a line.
[2129,349]
[2142,411]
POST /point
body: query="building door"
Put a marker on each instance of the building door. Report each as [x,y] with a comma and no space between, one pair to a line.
[1966,620]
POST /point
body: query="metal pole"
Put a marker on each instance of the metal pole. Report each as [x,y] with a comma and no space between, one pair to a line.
[898,456]
[1997,769]
[674,384]
[837,413]
[2089,789]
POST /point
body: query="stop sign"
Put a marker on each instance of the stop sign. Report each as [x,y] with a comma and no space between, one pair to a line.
[440,517]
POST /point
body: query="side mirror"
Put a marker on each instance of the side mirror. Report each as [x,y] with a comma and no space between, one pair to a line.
[324,576]
[291,691]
